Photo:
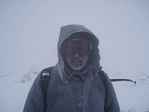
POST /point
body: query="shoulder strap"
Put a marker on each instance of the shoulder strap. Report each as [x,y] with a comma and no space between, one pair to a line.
[102,77]
[45,77]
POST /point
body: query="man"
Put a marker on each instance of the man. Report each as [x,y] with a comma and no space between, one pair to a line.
[77,83]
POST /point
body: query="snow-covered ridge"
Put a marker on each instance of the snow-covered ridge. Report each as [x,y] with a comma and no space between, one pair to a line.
[21,78]
[140,78]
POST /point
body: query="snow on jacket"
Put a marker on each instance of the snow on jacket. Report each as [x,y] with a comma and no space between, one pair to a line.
[66,93]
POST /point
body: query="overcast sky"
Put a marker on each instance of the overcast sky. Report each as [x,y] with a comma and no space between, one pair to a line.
[29,31]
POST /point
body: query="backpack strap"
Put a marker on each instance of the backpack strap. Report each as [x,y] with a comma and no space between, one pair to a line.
[45,78]
[102,76]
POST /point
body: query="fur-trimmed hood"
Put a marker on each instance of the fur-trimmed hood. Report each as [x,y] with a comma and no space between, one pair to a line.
[65,33]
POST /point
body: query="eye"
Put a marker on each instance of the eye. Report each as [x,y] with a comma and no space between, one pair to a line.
[84,48]
[67,49]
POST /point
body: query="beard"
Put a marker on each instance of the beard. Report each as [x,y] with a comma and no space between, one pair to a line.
[78,63]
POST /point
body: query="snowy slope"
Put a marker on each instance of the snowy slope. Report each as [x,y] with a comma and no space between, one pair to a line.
[14,90]
[132,98]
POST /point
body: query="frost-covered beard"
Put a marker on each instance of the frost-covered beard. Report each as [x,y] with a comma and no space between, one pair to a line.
[77,64]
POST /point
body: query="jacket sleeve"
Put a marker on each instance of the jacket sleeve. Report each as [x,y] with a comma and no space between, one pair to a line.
[111,102]
[34,101]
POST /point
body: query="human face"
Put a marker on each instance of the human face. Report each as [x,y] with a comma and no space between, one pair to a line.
[76,51]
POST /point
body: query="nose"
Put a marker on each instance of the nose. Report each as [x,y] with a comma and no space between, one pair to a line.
[76,55]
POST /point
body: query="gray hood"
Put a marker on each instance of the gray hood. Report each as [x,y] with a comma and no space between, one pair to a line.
[65,33]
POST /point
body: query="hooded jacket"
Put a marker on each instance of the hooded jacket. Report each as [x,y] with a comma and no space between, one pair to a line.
[65,92]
